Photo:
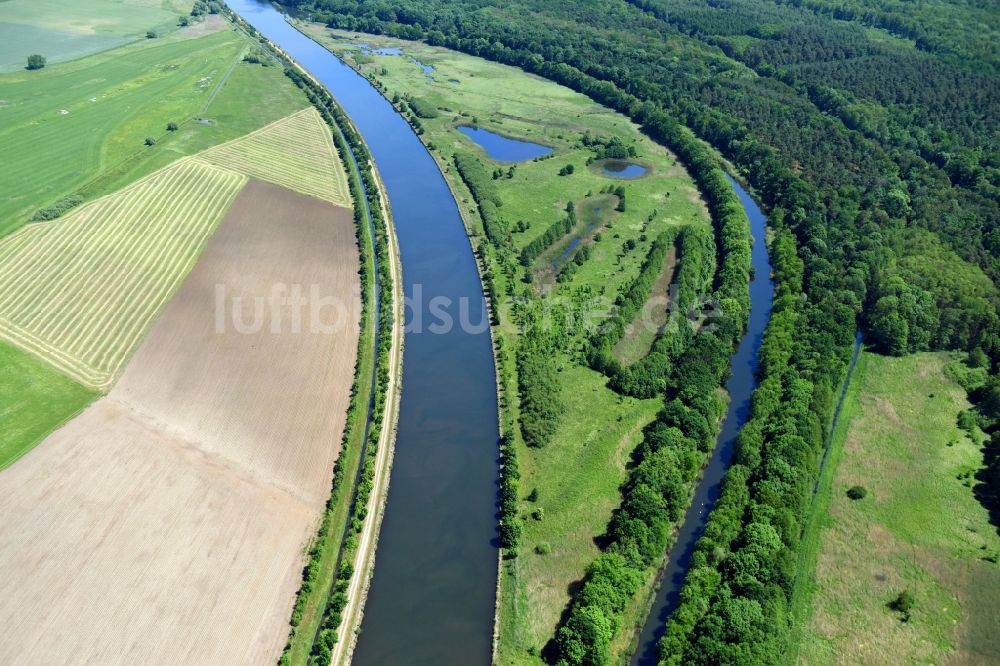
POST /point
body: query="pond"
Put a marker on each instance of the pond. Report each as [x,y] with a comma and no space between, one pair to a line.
[502,148]
[623,169]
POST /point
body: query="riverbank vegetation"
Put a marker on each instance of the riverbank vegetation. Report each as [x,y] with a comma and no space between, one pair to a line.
[881,191]
[528,213]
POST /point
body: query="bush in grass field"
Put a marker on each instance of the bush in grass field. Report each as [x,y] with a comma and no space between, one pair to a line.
[36,61]
[171,127]
[151,34]
[58,208]
[150,141]
[422,107]
[857,492]
[903,604]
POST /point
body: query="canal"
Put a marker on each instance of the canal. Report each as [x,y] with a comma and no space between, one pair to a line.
[433,593]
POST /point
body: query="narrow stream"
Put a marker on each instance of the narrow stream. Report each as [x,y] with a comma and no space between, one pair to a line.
[740,386]
[433,593]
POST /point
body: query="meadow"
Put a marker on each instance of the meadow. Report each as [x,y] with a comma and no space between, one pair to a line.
[918,528]
[509,102]
[38,399]
[65,30]
[569,487]
[80,127]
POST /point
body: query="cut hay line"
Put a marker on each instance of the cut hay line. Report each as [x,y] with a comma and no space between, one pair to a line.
[287,153]
[79,291]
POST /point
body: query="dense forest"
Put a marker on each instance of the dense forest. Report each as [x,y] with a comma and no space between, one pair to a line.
[870,132]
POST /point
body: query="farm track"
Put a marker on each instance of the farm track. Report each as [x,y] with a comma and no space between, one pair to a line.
[364,560]
[81,290]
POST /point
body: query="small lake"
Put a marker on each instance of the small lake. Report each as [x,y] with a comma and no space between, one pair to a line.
[623,169]
[504,149]
[368,49]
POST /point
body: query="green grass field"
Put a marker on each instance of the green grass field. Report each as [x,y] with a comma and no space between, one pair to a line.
[579,472]
[919,529]
[79,127]
[35,401]
[62,30]
[577,477]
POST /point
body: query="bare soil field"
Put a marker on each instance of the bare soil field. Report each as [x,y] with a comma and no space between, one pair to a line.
[168,523]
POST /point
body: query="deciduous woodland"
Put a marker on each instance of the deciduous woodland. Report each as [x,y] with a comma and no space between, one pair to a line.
[870,135]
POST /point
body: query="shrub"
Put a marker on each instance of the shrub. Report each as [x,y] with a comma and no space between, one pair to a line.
[543,548]
[856,492]
[36,61]
[171,127]
[150,34]
[58,208]
[903,604]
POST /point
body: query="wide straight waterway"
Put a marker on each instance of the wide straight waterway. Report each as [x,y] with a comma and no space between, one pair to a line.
[740,386]
[433,594]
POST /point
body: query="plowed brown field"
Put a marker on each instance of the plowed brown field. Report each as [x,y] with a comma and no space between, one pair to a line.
[167,524]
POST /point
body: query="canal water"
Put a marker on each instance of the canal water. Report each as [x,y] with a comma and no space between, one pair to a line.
[502,148]
[740,386]
[433,593]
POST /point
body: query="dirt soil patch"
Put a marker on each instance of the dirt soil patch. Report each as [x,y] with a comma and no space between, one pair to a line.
[168,523]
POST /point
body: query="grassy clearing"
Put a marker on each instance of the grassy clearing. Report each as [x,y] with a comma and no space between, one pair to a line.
[919,528]
[577,478]
[80,127]
[37,400]
[62,30]
[639,339]
[578,474]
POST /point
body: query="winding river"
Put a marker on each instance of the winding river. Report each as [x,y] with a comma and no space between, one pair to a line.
[433,593]
[740,386]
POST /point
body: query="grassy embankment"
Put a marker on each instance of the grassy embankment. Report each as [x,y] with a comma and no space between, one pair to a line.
[577,475]
[919,528]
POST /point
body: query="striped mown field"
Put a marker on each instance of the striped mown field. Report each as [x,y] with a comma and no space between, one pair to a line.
[81,290]
[287,153]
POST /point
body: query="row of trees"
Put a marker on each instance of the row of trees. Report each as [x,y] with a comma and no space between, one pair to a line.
[554,232]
